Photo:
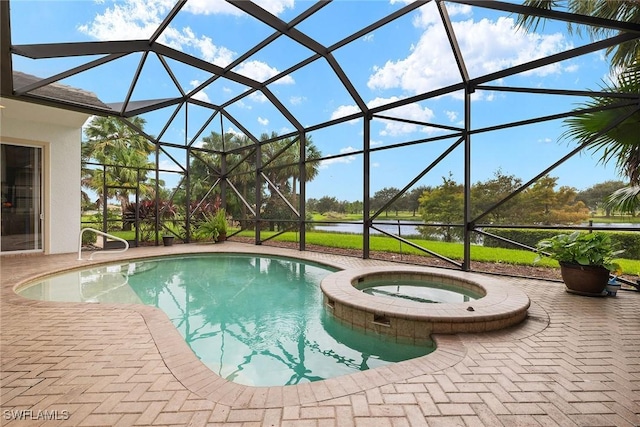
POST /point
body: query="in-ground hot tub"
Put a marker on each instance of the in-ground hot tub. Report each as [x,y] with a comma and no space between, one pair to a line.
[498,304]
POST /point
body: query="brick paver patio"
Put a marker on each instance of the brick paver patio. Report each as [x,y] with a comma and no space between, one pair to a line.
[574,362]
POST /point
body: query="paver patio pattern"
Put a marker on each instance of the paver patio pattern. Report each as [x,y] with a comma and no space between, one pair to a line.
[575,361]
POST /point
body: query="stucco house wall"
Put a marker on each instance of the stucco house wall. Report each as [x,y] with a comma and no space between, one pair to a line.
[59,132]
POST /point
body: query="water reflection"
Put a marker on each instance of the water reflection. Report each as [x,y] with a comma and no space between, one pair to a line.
[260,321]
[253,320]
[105,284]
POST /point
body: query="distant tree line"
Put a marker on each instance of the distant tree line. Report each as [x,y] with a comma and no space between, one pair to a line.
[442,206]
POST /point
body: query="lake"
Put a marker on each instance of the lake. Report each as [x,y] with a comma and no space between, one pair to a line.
[391,226]
[356,228]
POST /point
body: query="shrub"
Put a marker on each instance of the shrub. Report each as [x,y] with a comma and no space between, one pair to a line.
[593,249]
[629,241]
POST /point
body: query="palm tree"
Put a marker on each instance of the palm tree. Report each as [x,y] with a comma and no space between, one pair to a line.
[285,171]
[618,10]
[312,163]
[207,168]
[625,199]
[282,160]
[113,143]
[611,131]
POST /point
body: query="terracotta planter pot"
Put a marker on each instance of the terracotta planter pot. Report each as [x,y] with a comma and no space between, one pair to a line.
[584,279]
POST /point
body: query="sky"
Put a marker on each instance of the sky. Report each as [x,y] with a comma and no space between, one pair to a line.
[407,57]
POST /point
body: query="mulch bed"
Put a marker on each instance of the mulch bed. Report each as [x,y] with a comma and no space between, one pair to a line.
[530,271]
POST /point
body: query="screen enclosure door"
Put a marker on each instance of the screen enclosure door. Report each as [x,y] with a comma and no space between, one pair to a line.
[22,219]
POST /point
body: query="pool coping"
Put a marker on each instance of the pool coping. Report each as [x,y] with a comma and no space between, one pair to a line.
[194,375]
[502,305]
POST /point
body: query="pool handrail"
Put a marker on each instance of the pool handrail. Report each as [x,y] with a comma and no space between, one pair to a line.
[126,244]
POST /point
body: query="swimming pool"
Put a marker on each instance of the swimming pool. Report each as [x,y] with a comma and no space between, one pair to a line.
[251,319]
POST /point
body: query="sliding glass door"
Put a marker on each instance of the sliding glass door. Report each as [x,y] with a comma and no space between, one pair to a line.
[22,215]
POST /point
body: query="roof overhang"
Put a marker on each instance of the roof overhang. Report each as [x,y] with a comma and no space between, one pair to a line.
[13,109]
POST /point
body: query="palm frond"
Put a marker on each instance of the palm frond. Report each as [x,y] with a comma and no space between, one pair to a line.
[532,22]
[626,199]
[616,10]
[612,129]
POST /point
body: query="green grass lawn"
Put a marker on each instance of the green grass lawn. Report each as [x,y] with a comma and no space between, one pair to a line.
[449,250]
[386,244]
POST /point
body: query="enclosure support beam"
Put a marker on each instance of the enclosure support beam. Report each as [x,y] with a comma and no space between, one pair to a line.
[468,226]
[187,191]
[366,171]
[302,205]
[258,193]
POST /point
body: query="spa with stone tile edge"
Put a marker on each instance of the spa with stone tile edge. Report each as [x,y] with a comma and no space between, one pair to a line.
[501,306]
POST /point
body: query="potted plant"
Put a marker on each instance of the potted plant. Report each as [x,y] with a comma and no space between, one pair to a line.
[208,227]
[170,232]
[586,260]
[167,239]
[221,223]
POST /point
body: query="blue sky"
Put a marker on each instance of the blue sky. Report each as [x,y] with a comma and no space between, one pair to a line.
[407,57]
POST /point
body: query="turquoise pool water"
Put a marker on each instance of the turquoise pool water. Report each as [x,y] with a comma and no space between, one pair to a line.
[418,290]
[251,319]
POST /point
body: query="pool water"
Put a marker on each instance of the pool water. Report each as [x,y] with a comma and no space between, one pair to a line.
[251,319]
[418,290]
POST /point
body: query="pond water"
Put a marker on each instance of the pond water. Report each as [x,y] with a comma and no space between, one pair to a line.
[356,228]
[391,226]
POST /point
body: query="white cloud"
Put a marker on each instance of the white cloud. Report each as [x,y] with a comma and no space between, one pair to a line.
[258,97]
[209,7]
[487,46]
[234,132]
[297,100]
[260,71]
[138,19]
[345,160]
[200,95]
[263,122]
[429,15]
[170,165]
[367,37]
[545,140]
[243,105]
[344,111]
[275,7]
[481,95]
[451,115]
[133,19]
[412,111]
[572,68]
[490,97]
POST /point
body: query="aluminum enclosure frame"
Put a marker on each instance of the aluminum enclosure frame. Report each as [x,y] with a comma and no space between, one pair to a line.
[462,136]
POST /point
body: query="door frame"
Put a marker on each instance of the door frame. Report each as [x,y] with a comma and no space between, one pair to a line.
[45,190]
